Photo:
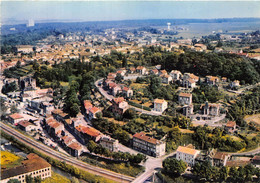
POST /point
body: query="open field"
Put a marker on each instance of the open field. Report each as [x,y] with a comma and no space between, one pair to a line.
[9,160]
[253,118]
[56,178]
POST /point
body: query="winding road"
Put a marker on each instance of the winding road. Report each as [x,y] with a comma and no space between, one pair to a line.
[69,160]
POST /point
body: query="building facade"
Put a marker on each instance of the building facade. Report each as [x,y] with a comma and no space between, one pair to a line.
[148,145]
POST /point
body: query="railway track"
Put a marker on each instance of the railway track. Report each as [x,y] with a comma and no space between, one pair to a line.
[57,155]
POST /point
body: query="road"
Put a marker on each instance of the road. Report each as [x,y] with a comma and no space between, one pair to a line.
[69,160]
[110,97]
[252,152]
[151,165]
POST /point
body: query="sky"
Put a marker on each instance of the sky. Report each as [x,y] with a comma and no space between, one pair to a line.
[125,10]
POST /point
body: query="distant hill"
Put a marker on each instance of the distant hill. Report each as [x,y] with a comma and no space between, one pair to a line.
[95,25]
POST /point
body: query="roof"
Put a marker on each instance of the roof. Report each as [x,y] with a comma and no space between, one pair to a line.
[140,67]
[87,104]
[88,130]
[94,110]
[256,160]
[16,116]
[220,155]
[230,124]
[57,111]
[185,95]
[75,145]
[24,123]
[33,163]
[237,163]
[144,137]
[160,101]
[118,100]
[187,150]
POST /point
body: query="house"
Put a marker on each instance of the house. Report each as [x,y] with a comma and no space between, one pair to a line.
[131,70]
[87,105]
[187,155]
[119,105]
[92,112]
[231,126]
[27,83]
[75,149]
[210,109]
[234,84]
[256,161]
[220,159]
[166,78]
[176,75]
[127,92]
[53,127]
[188,83]
[141,70]
[162,72]
[185,98]
[109,143]
[212,80]
[87,133]
[33,165]
[190,76]
[160,105]
[187,110]
[26,126]
[224,79]
[15,118]
[154,72]
[148,145]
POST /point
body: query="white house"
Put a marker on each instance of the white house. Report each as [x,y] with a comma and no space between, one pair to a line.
[160,105]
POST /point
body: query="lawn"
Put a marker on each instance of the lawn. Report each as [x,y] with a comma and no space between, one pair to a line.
[138,86]
[9,160]
[112,120]
[56,178]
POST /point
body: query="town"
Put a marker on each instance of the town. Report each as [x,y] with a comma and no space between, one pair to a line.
[142,103]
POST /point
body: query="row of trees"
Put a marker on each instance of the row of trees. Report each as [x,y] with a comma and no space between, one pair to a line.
[119,156]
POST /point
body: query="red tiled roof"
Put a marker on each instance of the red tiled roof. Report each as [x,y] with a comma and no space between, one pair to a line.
[16,116]
[75,145]
[94,110]
[87,104]
[88,130]
[187,150]
[118,100]
[144,137]
[24,123]
[185,94]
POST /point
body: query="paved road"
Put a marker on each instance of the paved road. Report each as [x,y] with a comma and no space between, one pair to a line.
[59,156]
[151,165]
[110,97]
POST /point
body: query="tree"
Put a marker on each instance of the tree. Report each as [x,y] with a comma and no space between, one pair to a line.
[174,167]
[91,146]
[223,173]
[14,109]
[3,107]
[28,179]
[130,113]
[37,179]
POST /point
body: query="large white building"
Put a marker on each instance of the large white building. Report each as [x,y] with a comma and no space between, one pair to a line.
[148,145]
[187,155]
